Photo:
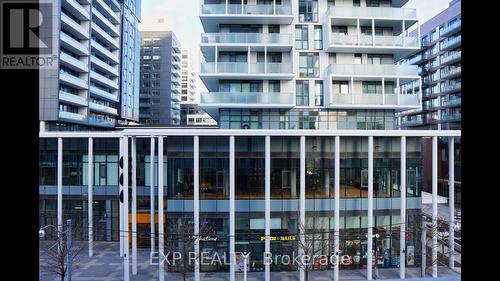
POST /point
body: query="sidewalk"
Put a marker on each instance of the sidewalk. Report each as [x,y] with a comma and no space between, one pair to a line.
[107,265]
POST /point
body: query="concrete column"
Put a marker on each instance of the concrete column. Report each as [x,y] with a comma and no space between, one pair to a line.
[161,241]
[373,32]
[383,90]
[267,241]
[403,32]
[265,59]
[227,5]
[352,90]
[274,7]
[420,90]
[358,29]
[402,239]
[134,206]
[336,221]
[126,250]
[216,70]
[196,209]
[59,184]
[152,191]
[231,208]
[90,191]
[398,90]
[419,42]
[370,210]
[434,206]
[451,200]
[248,56]
[302,204]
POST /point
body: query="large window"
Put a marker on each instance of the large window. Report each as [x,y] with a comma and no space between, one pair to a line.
[309,65]
[301,37]
[237,86]
[318,37]
[318,93]
[308,10]
[214,168]
[380,59]
[302,92]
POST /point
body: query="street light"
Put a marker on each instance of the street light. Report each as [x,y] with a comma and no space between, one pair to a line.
[67,232]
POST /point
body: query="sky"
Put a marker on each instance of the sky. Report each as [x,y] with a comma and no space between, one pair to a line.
[182,17]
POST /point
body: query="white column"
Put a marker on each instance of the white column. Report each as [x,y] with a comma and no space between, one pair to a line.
[451,200]
[274,7]
[336,222]
[373,32]
[196,209]
[227,4]
[265,59]
[413,87]
[402,242]
[420,90]
[59,183]
[248,57]
[434,206]
[352,89]
[267,215]
[126,251]
[120,191]
[383,90]
[403,32]
[90,191]
[242,7]
[419,42]
[231,208]
[370,210]
[398,90]
[134,206]
[161,241]
[152,192]
[302,204]
[358,29]
[216,59]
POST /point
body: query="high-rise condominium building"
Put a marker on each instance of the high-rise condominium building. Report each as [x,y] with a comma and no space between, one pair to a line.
[94,86]
[191,113]
[160,78]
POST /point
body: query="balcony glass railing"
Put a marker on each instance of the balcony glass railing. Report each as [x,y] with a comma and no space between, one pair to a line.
[450,88]
[71,115]
[247,38]
[375,99]
[451,102]
[238,9]
[75,27]
[451,27]
[73,62]
[104,51]
[373,12]
[102,108]
[243,98]
[72,98]
[102,94]
[451,42]
[74,45]
[452,57]
[104,80]
[101,121]
[372,69]
[368,40]
[73,80]
[451,72]
[243,67]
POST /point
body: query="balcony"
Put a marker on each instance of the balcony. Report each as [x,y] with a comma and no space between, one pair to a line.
[247,100]
[95,121]
[413,122]
[451,43]
[104,36]
[76,9]
[73,81]
[71,116]
[452,58]
[452,29]
[104,51]
[374,101]
[422,57]
[101,79]
[73,45]
[115,6]
[378,44]
[102,94]
[103,66]
[72,98]
[247,38]
[102,108]
[373,70]
[72,27]
[451,73]
[386,13]
[212,15]
[451,88]
[453,102]
[107,11]
[454,117]
[101,19]
[73,63]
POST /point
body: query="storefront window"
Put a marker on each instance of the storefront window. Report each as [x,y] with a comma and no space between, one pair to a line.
[179,154]
[285,162]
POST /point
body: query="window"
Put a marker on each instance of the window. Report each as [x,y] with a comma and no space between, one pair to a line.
[340,87]
[318,93]
[301,37]
[358,59]
[155,75]
[380,59]
[332,58]
[372,87]
[302,92]
[318,38]
[274,86]
[309,65]
[146,75]
[274,28]
[339,29]
[156,57]
[356,3]
[308,10]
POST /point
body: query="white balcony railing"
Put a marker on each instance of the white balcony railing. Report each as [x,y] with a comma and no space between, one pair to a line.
[71,98]
[247,98]
[72,62]
[75,28]
[247,38]
[452,57]
[377,40]
[72,80]
[73,45]
[375,99]
[243,67]
[372,70]
[103,108]
[102,94]
[238,9]
[71,116]
[373,12]
[103,80]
